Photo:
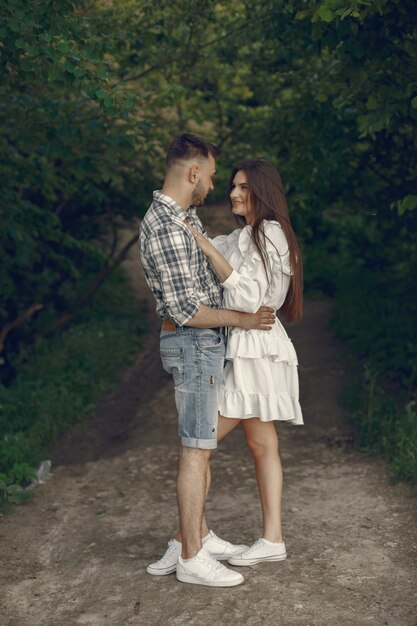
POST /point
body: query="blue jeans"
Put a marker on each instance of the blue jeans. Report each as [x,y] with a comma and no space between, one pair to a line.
[195,358]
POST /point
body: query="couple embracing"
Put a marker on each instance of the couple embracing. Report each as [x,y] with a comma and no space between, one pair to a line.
[250,377]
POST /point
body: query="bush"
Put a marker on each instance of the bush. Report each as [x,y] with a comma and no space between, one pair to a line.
[61,378]
[383,425]
[375,314]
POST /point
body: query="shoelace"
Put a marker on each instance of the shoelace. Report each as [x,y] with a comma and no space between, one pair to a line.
[210,562]
[225,544]
[168,553]
[257,543]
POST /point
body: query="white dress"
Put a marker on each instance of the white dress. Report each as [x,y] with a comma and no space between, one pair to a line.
[260,375]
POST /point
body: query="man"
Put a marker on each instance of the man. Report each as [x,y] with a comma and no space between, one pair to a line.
[188,299]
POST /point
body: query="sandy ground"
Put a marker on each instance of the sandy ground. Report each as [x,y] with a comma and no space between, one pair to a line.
[76,554]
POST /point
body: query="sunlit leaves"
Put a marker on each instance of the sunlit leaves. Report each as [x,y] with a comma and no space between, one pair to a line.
[94,93]
[66,154]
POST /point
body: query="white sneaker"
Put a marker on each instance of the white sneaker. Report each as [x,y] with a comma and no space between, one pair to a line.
[203,569]
[261,551]
[221,549]
[168,563]
[218,548]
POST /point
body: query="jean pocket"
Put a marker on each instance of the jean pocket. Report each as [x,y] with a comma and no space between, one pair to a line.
[173,363]
[210,341]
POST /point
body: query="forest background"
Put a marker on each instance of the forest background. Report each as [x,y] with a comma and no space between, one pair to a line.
[91,94]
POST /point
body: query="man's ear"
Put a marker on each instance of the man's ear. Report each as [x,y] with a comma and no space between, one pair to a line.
[193,173]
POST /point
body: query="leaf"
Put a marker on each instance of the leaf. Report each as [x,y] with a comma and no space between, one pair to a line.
[32,51]
[129,104]
[325,14]
[371,103]
[102,72]
[411,48]
[17,27]
[54,74]
[408,203]
[302,15]
[63,46]
[78,72]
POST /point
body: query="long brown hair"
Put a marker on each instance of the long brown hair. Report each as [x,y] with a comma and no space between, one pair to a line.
[267,199]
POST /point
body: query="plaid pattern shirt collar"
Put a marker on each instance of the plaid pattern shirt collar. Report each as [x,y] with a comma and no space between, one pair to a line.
[185,216]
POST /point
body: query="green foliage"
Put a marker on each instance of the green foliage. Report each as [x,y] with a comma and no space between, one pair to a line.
[12,494]
[384,425]
[376,314]
[93,92]
[66,160]
[60,380]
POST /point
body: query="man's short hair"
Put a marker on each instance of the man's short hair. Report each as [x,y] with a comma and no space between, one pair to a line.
[188,147]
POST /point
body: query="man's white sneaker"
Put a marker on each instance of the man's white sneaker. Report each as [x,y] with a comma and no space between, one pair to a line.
[218,548]
[261,551]
[203,569]
[221,549]
[168,563]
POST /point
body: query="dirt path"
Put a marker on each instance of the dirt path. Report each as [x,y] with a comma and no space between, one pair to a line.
[76,555]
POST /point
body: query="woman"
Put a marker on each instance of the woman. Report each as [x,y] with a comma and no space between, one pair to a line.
[260,264]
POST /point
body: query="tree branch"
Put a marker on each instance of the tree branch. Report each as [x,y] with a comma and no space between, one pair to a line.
[93,287]
[61,205]
[22,317]
[170,59]
[230,134]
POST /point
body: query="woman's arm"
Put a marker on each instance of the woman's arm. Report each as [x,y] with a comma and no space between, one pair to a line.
[241,292]
[219,263]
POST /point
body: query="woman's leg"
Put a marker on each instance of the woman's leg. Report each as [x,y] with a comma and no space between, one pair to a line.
[225,426]
[262,440]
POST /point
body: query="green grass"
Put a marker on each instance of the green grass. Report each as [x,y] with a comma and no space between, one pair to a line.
[60,380]
[384,425]
[375,314]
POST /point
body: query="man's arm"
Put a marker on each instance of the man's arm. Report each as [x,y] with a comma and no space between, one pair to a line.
[206,317]
[170,253]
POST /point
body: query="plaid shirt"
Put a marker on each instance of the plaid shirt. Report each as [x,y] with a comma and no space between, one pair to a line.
[176,270]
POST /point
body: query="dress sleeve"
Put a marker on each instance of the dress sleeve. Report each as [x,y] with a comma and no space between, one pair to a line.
[244,290]
[225,242]
[248,286]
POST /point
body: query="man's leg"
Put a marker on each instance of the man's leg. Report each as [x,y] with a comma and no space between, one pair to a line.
[195,360]
[198,565]
[191,495]
[225,426]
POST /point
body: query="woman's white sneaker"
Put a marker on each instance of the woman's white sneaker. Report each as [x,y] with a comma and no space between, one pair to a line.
[167,564]
[260,552]
[221,549]
[203,569]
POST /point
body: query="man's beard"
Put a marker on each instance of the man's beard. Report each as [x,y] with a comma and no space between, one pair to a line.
[199,194]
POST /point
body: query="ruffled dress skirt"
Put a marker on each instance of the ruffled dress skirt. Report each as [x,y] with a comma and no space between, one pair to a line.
[261,376]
